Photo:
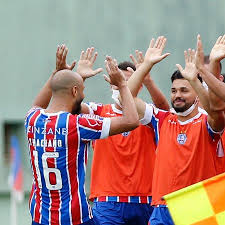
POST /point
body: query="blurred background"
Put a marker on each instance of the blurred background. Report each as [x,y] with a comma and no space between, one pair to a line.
[31,31]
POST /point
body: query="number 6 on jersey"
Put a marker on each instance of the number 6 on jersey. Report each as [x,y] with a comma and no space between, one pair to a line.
[48,170]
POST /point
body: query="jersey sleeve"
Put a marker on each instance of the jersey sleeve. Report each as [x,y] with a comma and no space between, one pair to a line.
[216,136]
[148,114]
[154,117]
[93,127]
[30,113]
[94,108]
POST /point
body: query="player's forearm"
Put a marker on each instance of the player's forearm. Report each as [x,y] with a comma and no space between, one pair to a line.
[158,98]
[214,67]
[44,96]
[217,121]
[135,81]
[213,83]
[141,107]
[215,102]
[130,115]
[202,94]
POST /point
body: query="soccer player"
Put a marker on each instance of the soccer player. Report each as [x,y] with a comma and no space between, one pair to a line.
[58,139]
[122,166]
[187,139]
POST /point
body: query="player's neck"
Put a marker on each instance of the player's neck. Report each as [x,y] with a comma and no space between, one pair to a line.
[191,115]
[57,105]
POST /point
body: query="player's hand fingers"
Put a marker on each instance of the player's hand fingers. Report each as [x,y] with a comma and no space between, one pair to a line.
[72,65]
[179,67]
[133,59]
[107,79]
[130,69]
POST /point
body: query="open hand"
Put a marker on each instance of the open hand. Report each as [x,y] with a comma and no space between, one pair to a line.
[86,62]
[116,76]
[61,63]
[218,50]
[139,58]
[190,71]
[153,54]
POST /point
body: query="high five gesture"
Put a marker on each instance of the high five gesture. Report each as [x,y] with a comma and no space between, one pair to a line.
[190,71]
[154,54]
[86,62]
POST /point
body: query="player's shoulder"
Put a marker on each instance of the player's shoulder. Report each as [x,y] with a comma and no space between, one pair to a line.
[32,110]
[160,113]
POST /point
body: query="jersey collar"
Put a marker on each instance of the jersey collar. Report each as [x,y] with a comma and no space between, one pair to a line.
[190,120]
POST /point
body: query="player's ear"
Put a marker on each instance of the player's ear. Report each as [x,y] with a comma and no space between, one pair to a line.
[74,91]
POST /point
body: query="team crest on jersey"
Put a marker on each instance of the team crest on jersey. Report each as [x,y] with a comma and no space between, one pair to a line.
[181,138]
[125,134]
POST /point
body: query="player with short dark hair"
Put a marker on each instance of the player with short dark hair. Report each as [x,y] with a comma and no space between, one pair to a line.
[187,149]
[122,166]
[124,65]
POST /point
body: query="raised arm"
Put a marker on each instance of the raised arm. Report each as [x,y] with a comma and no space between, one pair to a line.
[216,55]
[129,120]
[157,96]
[153,55]
[217,88]
[43,98]
[216,117]
[211,80]
[85,69]
[86,63]
[190,73]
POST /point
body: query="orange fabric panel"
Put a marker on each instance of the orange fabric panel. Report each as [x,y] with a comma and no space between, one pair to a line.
[123,164]
[208,221]
[180,165]
[216,194]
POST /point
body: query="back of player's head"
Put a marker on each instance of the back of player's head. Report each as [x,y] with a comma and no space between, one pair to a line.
[125,64]
[207,60]
[177,75]
[63,80]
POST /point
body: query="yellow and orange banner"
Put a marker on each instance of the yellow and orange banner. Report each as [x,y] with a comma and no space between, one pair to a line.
[200,204]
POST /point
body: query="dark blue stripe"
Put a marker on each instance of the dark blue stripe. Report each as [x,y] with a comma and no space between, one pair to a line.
[32,205]
[155,124]
[112,199]
[211,133]
[89,134]
[149,199]
[134,199]
[81,177]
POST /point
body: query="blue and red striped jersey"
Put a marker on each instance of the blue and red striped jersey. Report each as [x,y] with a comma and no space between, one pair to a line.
[58,144]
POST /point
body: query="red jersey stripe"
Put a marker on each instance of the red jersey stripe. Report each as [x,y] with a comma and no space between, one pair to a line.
[73,147]
[123,199]
[37,214]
